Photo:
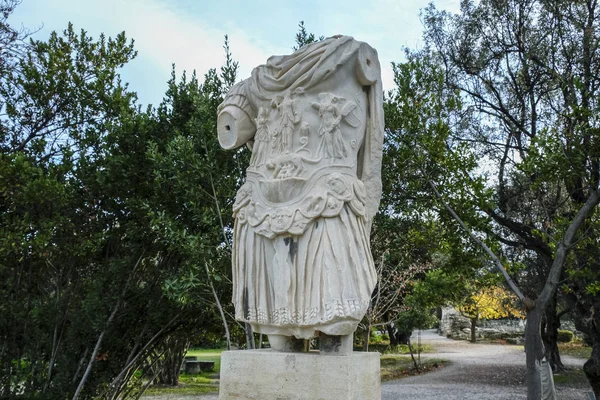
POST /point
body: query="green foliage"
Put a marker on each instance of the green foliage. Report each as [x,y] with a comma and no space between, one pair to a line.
[565,336]
[410,228]
[529,103]
[230,68]
[65,95]
[110,217]
[60,101]
[420,114]
[527,131]
[303,38]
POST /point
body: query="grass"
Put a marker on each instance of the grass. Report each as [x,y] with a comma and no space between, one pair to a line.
[208,355]
[571,377]
[395,366]
[205,382]
[575,349]
[188,384]
[385,348]
[403,349]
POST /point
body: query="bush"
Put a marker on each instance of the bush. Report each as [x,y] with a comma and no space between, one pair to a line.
[375,339]
[564,336]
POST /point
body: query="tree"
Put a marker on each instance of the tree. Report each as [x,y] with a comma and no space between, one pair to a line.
[582,293]
[53,93]
[303,38]
[393,284]
[111,218]
[527,74]
[410,226]
[418,308]
[489,303]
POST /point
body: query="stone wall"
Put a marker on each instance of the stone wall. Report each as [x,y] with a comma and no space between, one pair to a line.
[456,326]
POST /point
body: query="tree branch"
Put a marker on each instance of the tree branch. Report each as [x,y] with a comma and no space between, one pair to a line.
[485,247]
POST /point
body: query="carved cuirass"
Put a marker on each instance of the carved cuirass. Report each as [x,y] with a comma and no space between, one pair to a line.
[303,163]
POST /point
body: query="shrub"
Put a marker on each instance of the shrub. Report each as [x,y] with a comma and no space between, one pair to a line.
[564,336]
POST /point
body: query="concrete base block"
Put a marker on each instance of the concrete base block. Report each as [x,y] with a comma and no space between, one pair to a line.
[271,375]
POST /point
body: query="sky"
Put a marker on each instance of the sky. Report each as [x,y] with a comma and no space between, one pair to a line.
[189,33]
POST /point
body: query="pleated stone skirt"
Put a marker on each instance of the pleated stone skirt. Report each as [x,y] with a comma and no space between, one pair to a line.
[292,285]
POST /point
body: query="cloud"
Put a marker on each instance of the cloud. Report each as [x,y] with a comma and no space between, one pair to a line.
[164,35]
[387,25]
[167,35]
[191,35]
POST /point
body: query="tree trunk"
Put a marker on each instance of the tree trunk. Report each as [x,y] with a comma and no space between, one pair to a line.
[121,380]
[550,336]
[367,334]
[92,359]
[591,368]
[219,306]
[403,337]
[412,355]
[168,367]
[584,309]
[473,329]
[101,337]
[534,347]
[396,335]
[534,352]
[392,334]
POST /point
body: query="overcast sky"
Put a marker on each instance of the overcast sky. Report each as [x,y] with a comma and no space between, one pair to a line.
[189,33]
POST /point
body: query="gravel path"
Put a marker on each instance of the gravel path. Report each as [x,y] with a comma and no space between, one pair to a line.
[477,371]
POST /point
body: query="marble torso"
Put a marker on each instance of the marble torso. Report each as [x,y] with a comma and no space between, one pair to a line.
[314,122]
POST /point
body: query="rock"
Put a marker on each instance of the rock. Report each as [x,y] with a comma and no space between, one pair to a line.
[516,341]
[192,367]
[490,333]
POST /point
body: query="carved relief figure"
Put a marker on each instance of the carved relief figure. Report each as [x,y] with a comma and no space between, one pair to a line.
[289,117]
[331,110]
[287,166]
[302,266]
[260,149]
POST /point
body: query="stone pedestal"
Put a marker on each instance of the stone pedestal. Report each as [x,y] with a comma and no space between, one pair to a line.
[270,375]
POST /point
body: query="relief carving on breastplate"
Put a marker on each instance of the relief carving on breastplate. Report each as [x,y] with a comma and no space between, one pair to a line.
[332,109]
[286,187]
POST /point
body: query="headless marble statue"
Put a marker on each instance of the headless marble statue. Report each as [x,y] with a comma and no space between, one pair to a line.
[302,266]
